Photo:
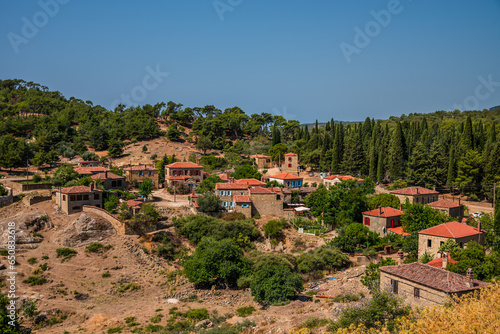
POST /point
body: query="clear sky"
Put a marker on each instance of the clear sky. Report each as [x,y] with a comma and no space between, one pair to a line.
[305,60]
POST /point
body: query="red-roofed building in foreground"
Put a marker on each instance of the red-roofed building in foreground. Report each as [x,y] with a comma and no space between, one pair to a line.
[288,180]
[416,195]
[72,199]
[441,261]
[187,173]
[139,173]
[429,240]
[379,220]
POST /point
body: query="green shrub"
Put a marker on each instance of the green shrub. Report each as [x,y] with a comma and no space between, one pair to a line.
[66,253]
[37,235]
[94,247]
[45,257]
[32,260]
[44,267]
[4,252]
[245,311]
[105,274]
[156,319]
[197,314]
[34,280]
[114,330]
[312,323]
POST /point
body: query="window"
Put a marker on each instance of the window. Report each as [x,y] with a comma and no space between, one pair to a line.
[367,221]
[416,292]
[78,197]
[242,193]
[222,193]
[96,196]
[245,205]
[441,243]
[64,197]
[289,165]
[288,184]
[289,159]
[278,197]
[140,173]
[392,222]
[229,193]
[113,184]
[150,173]
[394,286]
[230,204]
[429,243]
[461,245]
[85,197]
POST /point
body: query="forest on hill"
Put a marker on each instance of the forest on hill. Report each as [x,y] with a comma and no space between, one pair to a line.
[449,150]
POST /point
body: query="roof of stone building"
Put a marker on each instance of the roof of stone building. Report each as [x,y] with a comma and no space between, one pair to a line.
[242,199]
[104,176]
[231,186]
[451,230]
[183,165]
[412,191]
[444,203]
[435,278]
[77,190]
[285,176]
[385,211]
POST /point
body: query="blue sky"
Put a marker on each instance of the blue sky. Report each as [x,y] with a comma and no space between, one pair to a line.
[303,60]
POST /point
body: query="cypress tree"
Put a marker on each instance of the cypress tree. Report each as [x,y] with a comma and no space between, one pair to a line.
[451,168]
[306,134]
[397,152]
[467,135]
[337,150]
[380,166]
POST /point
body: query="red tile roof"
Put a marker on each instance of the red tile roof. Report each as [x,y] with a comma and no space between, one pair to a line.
[286,176]
[260,156]
[438,263]
[261,190]
[77,190]
[102,176]
[231,186]
[412,191]
[444,203]
[134,203]
[180,177]
[242,199]
[343,177]
[435,278]
[290,154]
[223,176]
[251,182]
[452,230]
[384,212]
[184,165]
[141,167]
[398,230]
[91,170]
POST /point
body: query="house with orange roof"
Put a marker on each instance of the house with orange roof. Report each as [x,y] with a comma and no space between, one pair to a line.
[110,180]
[288,180]
[227,191]
[72,199]
[290,163]
[416,195]
[267,201]
[262,161]
[332,180]
[382,219]
[441,261]
[431,239]
[251,182]
[187,173]
[451,208]
[88,171]
[139,173]
[90,163]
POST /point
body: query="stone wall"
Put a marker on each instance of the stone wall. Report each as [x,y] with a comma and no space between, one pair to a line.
[378,223]
[406,288]
[29,201]
[436,242]
[245,211]
[422,199]
[7,199]
[118,225]
[267,204]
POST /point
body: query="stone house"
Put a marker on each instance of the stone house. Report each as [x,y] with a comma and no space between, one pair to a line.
[187,173]
[331,180]
[290,163]
[110,180]
[227,191]
[89,163]
[262,161]
[288,180]
[429,240]
[251,182]
[267,201]
[72,199]
[453,209]
[302,193]
[243,204]
[140,173]
[381,219]
[425,285]
[416,195]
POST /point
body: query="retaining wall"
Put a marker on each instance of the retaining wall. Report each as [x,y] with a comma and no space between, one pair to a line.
[7,199]
[118,225]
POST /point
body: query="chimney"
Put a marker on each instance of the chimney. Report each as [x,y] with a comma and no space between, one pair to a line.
[434,187]
[380,210]
[400,207]
[445,260]
[106,174]
[197,161]
[400,257]
[459,200]
[417,190]
[479,226]
[470,276]
[92,186]
[228,175]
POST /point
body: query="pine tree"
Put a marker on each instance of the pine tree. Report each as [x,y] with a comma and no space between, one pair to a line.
[353,155]
[450,179]
[306,134]
[380,166]
[397,152]
[467,135]
[337,150]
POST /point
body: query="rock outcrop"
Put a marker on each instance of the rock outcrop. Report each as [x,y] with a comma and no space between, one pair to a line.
[85,230]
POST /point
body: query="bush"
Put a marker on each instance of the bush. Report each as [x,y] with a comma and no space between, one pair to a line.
[322,258]
[32,260]
[275,284]
[94,247]
[208,202]
[34,280]
[66,253]
[273,229]
[105,274]
[245,311]
[197,314]
[37,178]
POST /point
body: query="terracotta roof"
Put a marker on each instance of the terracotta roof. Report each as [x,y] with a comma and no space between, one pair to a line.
[261,190]
[102,176]
[141,167]
[386,211]
[261,156]
[343,177]
[134,203]
[231,186]
[77,190]
[290,154]
[90,170]
[444,203]
[452,230]
[285,176]
[223,176]
[251,182]
[435,278]
[398,230]
[412,191]
[438,263]
[184,165]
[88,161]
[179,177]
[242,199]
